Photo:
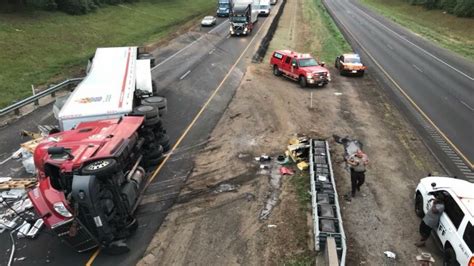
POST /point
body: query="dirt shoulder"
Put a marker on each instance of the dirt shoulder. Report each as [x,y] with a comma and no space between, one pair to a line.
[211,227]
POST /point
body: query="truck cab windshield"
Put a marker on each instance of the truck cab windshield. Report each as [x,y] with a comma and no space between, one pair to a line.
[307,62]
[224,5]
[239,19]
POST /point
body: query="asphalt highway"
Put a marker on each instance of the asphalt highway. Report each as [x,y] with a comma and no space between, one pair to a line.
[198,73]
[436,85]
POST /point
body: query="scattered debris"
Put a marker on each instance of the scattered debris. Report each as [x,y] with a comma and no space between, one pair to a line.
[18,183]
[282,159]
[338,93]
[286,171]
[271,226]
[302,165]
[23,230]
[35,228]
[425,259]
[264,166]
[225,188]
[263,158]
[390,254]
[5,179]
[13,193]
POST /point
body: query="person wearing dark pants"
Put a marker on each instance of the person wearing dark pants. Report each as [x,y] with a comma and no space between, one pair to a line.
[431,219]
[357,163]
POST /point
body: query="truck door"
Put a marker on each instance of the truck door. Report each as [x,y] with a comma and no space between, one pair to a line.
[294,68]
[286,63]
[450,221]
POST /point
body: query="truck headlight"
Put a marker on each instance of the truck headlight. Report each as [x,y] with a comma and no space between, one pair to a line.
[309,75]
[62,210]
[245,30]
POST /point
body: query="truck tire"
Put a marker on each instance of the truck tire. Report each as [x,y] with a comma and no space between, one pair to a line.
[154,88]
[164,141]
[159,102]
[419,205]
[152,122]
[154,151]
[276,71]
[147,111]
[449,257]
[100,168]
[153,162]
[302,81]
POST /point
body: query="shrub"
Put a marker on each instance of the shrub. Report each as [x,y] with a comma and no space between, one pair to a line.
[464,8]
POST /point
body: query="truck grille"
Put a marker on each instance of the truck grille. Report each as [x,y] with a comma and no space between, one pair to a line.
[82,241]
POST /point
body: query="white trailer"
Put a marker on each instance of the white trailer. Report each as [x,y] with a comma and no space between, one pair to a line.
[116,81]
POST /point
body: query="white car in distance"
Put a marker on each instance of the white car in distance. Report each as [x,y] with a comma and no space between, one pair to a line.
[455,231]
[208,21]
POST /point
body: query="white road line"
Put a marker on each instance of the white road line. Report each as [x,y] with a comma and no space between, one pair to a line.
[423,50]
[6,160]
[185,74]
[467,105]
[389,46]
[189,45]
[417,68]
[212,51]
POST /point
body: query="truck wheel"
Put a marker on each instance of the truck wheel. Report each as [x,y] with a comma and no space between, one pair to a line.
[101,168]
[302,81]
[449,258]
[164,140]
[276,71]
[154,151]
[159,102]
[152,121]
[361,73]
[153,162]
[419,206]
[147,111]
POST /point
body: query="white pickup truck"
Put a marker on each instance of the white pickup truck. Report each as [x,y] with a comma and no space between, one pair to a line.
[455,231]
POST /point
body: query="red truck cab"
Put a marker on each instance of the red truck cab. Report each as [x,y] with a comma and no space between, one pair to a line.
[300,67]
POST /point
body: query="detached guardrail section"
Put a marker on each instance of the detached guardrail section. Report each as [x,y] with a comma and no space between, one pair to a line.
[327,219]
[35,98]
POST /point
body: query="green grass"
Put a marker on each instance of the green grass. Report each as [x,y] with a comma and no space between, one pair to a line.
[300,260]
[39,47]
[300,181]
[451,32]
[325,39]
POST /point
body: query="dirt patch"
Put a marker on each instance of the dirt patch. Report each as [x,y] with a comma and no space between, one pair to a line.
[209,228]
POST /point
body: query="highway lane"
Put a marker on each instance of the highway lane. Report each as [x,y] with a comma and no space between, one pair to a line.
[434,82]
[206,57]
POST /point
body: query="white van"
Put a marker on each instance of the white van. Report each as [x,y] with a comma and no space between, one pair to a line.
[264,8]
[116,82]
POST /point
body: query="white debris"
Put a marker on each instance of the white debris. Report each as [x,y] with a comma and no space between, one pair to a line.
[13,194]
[24,228]
[5,179]
[271,226]
[35,228]
[390,254]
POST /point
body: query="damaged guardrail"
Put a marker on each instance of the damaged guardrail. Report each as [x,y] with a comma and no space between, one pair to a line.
[327,219]
[35,98]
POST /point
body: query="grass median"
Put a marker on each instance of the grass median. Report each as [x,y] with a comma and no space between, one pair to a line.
[448,31]
[40,47]
[324,39]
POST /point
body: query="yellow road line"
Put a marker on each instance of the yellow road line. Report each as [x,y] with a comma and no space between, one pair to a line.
[203,108]
[92,258]
[471,164]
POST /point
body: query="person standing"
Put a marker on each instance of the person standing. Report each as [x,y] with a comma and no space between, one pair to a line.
[358,163]
[431,219]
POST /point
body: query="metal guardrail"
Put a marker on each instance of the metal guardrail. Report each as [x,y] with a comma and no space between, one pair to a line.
[327,219]
[35,98]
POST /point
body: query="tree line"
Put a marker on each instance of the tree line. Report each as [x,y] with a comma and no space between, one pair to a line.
[460,8]
[73,7]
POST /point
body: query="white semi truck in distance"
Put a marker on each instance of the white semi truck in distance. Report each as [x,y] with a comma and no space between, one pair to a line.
[243,17]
